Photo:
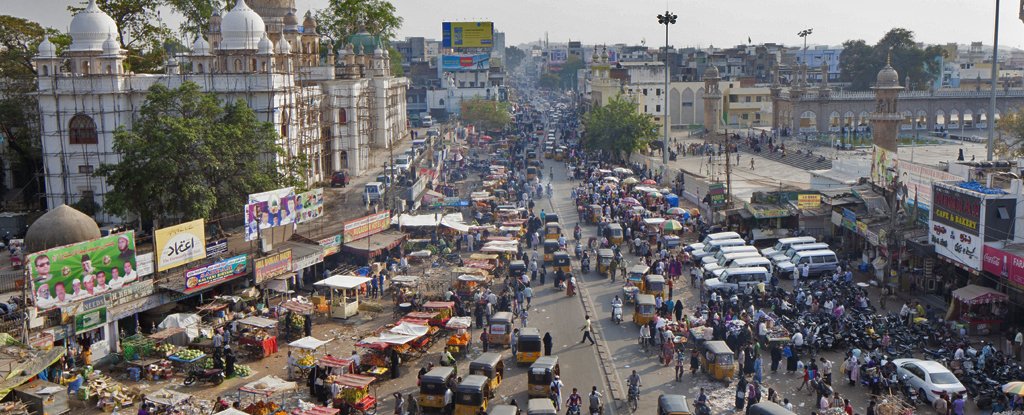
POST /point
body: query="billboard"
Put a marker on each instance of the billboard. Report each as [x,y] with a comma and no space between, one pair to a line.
[273,265]
[558,55]
[918,180]
[1005,264]
[309,205]
[455,63]
[467,35]
[269,209]
[331,245]
[955,225]
[230,268]
[366,226]
[883,165]
[180,244]
[808,201]
[65,275]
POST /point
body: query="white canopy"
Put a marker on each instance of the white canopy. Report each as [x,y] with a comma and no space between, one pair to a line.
[454,221]
[417,221]
[260,322]
[189,322]
[459,322]
[269,385]
[167,397]
[501,246]
[309,343]
[231,411]
[467,277]
[410,329]
[654,221]
[346,282]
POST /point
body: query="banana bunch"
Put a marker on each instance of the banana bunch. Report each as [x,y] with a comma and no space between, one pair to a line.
[307,360]
[297,321]
[352,395]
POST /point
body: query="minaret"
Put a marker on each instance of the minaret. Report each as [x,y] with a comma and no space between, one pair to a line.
[777,98]
[712,99]
[885,122]
[824,91]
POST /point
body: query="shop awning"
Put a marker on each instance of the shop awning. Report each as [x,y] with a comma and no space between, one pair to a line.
[374,244]
[342,282]
[309,343]
[976,294]
[260,322]
[268,386]
[17,368]
[303,254]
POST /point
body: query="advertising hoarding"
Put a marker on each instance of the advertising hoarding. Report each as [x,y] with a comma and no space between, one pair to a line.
[918,179]
[310,205]
[454,63]
[1005,264]
[230,268]
[366,226]
[457,35]
[331,245]
[269,209]
[180,244]
[955,222]
[883,163]
[274,265]
[64,275]
[808,201]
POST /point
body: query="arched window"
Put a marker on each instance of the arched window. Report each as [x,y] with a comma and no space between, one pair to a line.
[85,67]
[46,70]
[238,65]
[110,69]
[342,117]
[82,130]
[252,66]
[200,68]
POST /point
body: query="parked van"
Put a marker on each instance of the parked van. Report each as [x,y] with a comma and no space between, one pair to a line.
[372,192]
[427,121]
[728,250]
[783,244]
[745,262]
[821,262]
[713,247]
[727,259]
[712,237]
[738,279]
[787,254]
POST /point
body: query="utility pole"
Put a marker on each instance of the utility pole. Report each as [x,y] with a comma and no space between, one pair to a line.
[991,118]
[728,170]
[666,19]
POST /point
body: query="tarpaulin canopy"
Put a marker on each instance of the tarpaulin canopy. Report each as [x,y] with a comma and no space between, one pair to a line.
[976,294]
[231,411]
[314,410]
[349,380]
[459,323]
[189,322]
[260,322]
[410,329]
[454,221]
[501,246]
[167,397]
[346,282]
[309,343]
[269,385]
[374,244]
[417,221]
[18,369]
[468,277]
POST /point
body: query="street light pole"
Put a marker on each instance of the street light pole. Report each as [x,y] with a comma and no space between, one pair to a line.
[804,33]
[995,76]
[666,19]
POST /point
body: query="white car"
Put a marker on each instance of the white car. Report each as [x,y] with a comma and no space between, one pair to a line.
[929,377]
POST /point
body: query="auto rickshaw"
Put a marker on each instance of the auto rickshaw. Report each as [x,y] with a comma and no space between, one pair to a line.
[559,154]
[472,395]
[562,262]
[718,360]
[550,247]
[673,405]
[532,173]
[491,366]
[604,261]
[517,268]
[434,389]
[644,309]
[531,155]
[549,152]
[615,233]
[552,230]
[541,374]
[596,212]
[504,410]
[654,285]
[538,406]
[500,330]
[528,347]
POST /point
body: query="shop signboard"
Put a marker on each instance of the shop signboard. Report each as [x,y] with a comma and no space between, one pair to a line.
[331,245]
[131,293]
[365,226]
[717,193]
[310,205]
[180,244]
[68,274]
[144,264]
[269,209]
[455,63]
[217,248]
[198,278]
[1007,265]
[849,219]
[90,320]
[808,201]
[954,226]
[273,265]
[455,35]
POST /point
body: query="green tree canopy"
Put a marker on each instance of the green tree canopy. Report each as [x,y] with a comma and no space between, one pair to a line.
[485,114]
[513,57]
[1012,128]
[189,157]
[618,128]
[342,18]
[568,75]
[396,61]
[859,63]
[197,14]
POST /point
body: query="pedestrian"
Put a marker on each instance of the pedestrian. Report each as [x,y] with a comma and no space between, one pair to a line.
[483,339]
[399,403]
[751,163]
[741,393]
[680,368]
[513,342]
[548,343]
[776,355]
[758,369]
[586,330]
[826,370]
[694,361]
[523,318]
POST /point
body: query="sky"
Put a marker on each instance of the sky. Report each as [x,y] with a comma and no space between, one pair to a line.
[720,23]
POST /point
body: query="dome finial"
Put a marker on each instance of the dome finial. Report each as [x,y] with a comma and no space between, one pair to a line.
[888,57]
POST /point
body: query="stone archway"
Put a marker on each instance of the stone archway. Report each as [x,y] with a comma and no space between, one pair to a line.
[921,120]
[981,119]
[968,120]
[808,122]
[835,122]
[954,120]
[675,107]
[687,105]
[908,121]
[862,121]
[940,119]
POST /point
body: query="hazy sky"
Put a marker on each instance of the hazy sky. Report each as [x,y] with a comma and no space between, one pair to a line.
[720,23]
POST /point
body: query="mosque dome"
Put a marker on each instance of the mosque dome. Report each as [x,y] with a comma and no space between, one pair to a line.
[90,27]
[363,42]
[711,72]
[266,47]
[200,47]
[290,20]
[46,49]
[283,47]
[241,28]
[887,77]
[61,226]
[111,47]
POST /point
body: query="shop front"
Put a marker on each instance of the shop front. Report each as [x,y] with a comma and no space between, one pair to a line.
[1004,266]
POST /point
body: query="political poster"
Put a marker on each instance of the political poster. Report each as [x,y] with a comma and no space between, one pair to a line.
[68,274]
[180,244]
[269,209]
[310,205]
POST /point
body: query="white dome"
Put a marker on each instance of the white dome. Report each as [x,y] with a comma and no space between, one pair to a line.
[90,27]
[200,47]
[47,49]
[111,47]
[283,47]
[266,47]
[241,28]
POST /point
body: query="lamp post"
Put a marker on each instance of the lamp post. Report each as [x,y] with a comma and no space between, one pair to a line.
[804,33]
[666,19]
[995,77]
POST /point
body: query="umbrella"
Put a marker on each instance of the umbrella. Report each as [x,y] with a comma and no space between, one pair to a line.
[654,194]
[630,201]
[611,179]
[676,211]
[694,212]
[1016,388]
[672,225]
[649,181]
[623,170]
[630,180]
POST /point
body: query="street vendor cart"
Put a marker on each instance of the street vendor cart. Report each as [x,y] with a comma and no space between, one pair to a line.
[445,309]
[267,389]
[166,400]
[308,349]
[355,393]
[458,341]
[344,294]
[978,308]
[259,337]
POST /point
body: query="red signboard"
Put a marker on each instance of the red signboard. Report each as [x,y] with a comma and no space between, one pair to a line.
[366,226]
[1004,264]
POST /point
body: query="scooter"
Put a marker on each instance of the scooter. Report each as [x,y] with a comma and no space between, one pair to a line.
[573,410]
[585,265]
[214,376]
[617,313]
[579,251]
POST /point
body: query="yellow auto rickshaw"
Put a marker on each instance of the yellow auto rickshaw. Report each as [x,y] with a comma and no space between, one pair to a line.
[472,395]
[654,285]
[562,262]
[673,405]
[500,330]
[517,268]
[552,230]
[531,173]
[636,274]
[491,366]
[505,410]
[615,231]
[549,152]
[541,374]
[644,312]
[604,261]
[718,360]
[550,247]
[531,155]
[559,154]
[551,218]
[528,347]
[596,212]
[434,389]
[540,406]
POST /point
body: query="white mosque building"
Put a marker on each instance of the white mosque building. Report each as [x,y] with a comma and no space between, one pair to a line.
[334,112]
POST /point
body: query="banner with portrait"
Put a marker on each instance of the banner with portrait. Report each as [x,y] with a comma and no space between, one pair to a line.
[269,209]
[68,274]
[310,205]
[883,166]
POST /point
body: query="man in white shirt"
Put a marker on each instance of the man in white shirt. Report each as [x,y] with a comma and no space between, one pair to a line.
[805,271]
[798,339]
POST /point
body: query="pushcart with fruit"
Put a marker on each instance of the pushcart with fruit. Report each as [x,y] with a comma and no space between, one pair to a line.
[355,393]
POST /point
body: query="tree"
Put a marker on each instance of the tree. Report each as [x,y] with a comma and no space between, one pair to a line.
[189,157]
[513,57]
[485,114]
[568,75]
[140,31]
[1012,128]
[859,63]
[197,14]
[618,128]
[343,18]
[549,80]
[396,62]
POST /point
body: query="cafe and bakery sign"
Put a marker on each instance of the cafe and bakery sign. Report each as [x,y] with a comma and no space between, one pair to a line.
[956,209]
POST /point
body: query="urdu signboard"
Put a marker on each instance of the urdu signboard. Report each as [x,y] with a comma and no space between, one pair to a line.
[955,225]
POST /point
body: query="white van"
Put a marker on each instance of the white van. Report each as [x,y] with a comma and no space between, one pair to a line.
[372,192]
[713,247]
[819,262]
[745,262]
[427,121]
[783,244]
[787,254]
[737,279]
[712,237]
[728,250]
[726,260]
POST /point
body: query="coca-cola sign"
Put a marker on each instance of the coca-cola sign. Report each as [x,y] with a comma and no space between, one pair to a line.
[1004,264]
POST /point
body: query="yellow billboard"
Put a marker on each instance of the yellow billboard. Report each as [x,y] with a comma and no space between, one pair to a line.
[180,244]
[455,35]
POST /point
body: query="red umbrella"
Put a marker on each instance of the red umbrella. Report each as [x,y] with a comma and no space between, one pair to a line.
[648,181]
[630,201]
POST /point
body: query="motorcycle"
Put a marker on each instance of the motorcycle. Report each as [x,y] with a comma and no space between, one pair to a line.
[214,376]
[617,313]
[573,410]
[908,391]
[585,265]
[579,251]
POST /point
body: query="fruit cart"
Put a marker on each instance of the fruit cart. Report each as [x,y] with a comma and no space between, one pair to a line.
[446,308]
[458,341]
[165,401]
[308,349]
[338,366]
[344,294]
[184,358]
[137,346]
[293,314]
[268,388]
[355,393]
[258,338]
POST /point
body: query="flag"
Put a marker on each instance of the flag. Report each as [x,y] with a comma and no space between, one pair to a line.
[748,40]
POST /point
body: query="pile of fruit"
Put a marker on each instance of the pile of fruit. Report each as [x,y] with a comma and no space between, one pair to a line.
[297,321]
[353,395]
[165,349]
[242,371]
[307,360]
[189,354]
[206,363]
[262,408]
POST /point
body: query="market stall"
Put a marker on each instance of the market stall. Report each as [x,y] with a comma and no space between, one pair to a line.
[308,349]
[166,401]
[269,388]
[458,341]
[338,366]
[344,294]
[316,410]
[979,308]
[257,336]
[354,393]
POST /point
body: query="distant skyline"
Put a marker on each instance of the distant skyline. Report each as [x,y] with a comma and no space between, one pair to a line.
[700,24]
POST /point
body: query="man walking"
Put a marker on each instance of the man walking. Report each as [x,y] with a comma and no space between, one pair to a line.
[586,331]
